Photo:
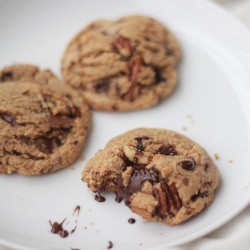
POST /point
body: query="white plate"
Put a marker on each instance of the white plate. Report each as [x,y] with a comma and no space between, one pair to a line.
[212,102]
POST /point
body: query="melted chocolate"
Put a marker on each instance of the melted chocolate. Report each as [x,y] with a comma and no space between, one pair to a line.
[138,177]
[57,228]
[99,198]
[73,230]
[110,245]
[131,220]
[77,210]
[139,140]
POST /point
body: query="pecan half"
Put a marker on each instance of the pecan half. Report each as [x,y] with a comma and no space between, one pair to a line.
[122,45]
[135,65]
[168,198]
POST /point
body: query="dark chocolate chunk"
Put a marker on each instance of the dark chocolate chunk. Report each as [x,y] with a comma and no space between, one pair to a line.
[167,150]
[102,87]
[8,118]
[199,195]
[7,76]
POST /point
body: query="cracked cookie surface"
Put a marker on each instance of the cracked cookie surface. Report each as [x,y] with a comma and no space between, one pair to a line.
[162,175]
[122,65]
[26,73]
[42,127]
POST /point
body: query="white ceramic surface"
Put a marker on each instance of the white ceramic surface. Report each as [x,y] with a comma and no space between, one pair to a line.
[212,102]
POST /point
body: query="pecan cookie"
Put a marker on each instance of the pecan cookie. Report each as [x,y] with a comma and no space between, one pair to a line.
[27,73]
[42,127]
[162,175]
[122,65]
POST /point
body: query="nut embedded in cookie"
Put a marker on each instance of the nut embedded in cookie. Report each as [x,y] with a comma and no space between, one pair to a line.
[162,175]
[42,127]
[122,65]
[26,73]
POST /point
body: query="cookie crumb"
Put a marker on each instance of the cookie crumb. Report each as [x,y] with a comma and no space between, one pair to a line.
[230,161]
[184,128]
[216,156]
[81,158]
[161,233]
[141,244]
[191,119]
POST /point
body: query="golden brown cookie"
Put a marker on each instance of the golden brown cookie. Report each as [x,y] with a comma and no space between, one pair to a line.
[122,65]
[27,73]
[162,175]
[42,127]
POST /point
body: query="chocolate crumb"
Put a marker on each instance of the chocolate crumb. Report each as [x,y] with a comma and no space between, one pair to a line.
[131,221]
[110,245]
[99,198]
[57,228]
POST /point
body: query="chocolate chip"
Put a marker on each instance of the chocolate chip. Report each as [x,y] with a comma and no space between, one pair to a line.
[188,165]
[7,76]
[131,220]
[45,145]
[167,150]
[199,195]
[102,87]
[8,118]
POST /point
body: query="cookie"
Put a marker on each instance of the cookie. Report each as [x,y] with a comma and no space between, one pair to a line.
[27,73]
[42,127]
[122,65]
[162,175]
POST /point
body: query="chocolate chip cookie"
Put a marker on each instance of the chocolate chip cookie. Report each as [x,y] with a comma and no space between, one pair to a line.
[27,73]
[42,127]
[162,175]
[122,65]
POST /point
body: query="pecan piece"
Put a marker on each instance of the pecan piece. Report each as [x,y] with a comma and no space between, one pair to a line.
[135,65]
[57,121]
[122,45]
[169,199]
